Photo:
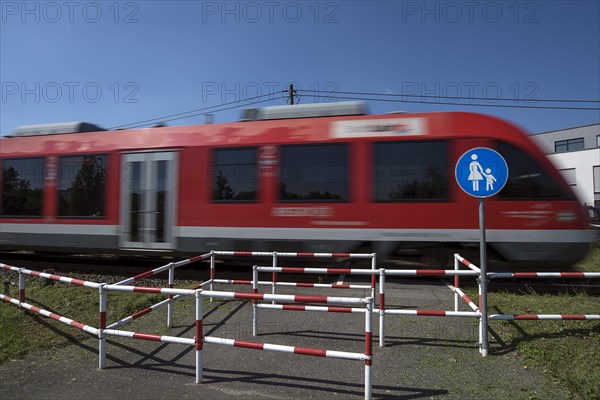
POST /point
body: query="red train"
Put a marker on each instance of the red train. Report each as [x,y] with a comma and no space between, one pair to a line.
[315,177]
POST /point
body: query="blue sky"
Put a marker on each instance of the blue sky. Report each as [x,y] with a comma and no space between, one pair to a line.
[114,63]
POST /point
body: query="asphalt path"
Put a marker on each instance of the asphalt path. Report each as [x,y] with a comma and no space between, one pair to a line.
[425,357]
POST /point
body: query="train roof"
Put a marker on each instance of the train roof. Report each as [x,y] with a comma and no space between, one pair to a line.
[268,131]
[55,129]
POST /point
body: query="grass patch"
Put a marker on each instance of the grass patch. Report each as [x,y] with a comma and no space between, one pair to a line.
[592,261]
[568,350]
[30,333]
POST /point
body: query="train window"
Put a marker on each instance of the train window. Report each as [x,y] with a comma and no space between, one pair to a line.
[314,172]
[410,171]
[527,179]
[22,187]
[235,174]
[82,186]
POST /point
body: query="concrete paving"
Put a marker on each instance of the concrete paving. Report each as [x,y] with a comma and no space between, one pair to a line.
[425,357]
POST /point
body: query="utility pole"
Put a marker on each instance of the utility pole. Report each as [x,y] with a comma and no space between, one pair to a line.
[292,92]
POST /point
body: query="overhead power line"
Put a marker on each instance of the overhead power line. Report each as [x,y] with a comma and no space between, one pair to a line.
[335,96]
[451,97]
[196,112]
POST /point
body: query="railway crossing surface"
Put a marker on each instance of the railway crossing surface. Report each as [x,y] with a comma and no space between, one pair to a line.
[423,358]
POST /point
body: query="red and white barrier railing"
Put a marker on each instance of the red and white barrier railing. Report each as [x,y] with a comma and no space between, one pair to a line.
[276,255]
[535,317]
[542,275]
[86,328]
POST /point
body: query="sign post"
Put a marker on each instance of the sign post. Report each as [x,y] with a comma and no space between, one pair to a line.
[481,173]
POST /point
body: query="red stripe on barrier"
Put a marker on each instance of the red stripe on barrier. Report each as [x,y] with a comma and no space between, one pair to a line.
[77,325]
[145,336]
[241,282]
[54,277]
[54,316]
[310,352]
[21,294]
[339,309]
[339,270]
[302,284]
[35,273]
[141,313]
[340,255]
[102,320]
[432,313]
[310,299]
[293,307]
[194,259]
[242,253]
[526,316]
[368,343]
[143,275]
[248,345]
[293,270]
[35,309]
[78,282]
[340,286]
[368,362]
[526,275]
[431,272]
[249,296]
[147,290]
[572,274]
[382,301]
[573,316]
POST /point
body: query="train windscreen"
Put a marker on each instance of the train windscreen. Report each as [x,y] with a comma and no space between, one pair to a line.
[527,178]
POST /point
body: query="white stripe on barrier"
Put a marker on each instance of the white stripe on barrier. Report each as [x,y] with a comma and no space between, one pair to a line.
[433,313]
[534,317]
[285,297]
[312,308]
[144,336]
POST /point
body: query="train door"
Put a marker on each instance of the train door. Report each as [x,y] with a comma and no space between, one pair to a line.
[148,200]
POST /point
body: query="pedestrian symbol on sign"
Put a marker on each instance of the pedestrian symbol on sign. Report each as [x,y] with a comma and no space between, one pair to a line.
[478,165]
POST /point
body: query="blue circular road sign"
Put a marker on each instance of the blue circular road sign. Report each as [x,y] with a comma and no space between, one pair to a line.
[481,172]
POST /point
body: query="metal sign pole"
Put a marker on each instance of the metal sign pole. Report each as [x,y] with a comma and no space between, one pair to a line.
[483,277]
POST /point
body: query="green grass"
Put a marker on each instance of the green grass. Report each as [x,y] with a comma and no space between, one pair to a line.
[30,333]
[568,350]
[592,261]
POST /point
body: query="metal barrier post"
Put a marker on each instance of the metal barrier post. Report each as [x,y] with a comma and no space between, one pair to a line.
[170,304]
[101,328]
[274,275]
[212,270]
[199,339]
[382,307]
[456,282]
[254,307]
[368,347]
[373,268]
[22,278]
[479,286]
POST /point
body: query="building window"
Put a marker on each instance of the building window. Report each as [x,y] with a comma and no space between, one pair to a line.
[22,187]
[569,175]
[563,146]
[314,172]
[596,179]
[597,140]
[82,186]
[527,179]
[406,171]
[235,175]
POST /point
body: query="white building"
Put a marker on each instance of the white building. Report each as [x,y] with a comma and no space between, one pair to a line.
[576,153]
